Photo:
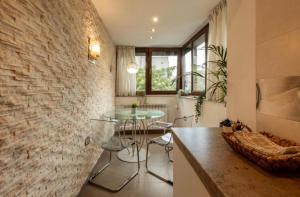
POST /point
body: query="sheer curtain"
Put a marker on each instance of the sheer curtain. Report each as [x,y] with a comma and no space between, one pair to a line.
[126,82]
[217,36]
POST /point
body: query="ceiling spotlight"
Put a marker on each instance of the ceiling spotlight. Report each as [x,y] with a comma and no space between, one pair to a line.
[153,30]
[155,19]
[151,37]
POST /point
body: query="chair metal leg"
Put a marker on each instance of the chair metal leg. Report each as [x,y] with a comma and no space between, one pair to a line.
[138,155]
[91,179]
[147,152]
[168,150]
[102,169]
[151,172]
[168,153]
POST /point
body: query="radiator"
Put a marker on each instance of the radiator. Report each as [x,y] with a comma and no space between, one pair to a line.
[161,107]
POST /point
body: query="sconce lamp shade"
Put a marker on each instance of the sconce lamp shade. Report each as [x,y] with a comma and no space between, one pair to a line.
[93,51]
[132,68]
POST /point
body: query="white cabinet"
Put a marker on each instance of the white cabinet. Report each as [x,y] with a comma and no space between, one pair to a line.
[186,181]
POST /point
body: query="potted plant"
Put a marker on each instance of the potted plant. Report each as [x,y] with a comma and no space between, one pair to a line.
[133,108]
[219,83]
[232,126]
[220,73]
[181,92]
[226,125]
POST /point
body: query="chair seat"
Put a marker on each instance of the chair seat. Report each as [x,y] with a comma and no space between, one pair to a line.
[163,140]
[162,125]
[116,144]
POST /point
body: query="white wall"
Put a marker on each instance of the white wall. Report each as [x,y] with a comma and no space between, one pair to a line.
[278,55]
[212,112]
[263,42]
[241,61]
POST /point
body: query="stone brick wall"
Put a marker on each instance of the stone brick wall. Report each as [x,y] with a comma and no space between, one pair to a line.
[48,92]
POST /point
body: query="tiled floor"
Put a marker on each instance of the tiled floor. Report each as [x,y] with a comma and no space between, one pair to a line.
[143,185]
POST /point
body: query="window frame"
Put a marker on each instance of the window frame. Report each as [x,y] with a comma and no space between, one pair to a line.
[146,51]
[148,85]
[203,31]
[183,53]
[180,52]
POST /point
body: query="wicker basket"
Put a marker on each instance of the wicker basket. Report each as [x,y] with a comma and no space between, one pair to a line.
[281,163]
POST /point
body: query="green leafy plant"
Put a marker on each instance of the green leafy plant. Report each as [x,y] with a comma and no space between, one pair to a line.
[220,74]
[198,106]
[134,105]
[140,79]
[161,79]
[220,78]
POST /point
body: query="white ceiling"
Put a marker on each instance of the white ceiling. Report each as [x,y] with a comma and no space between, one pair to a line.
[129,22]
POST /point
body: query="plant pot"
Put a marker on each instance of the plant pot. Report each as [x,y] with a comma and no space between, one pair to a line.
[227,129]
[133,110]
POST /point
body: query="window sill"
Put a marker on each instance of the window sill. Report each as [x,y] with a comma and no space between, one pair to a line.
[149,95]
[188,97]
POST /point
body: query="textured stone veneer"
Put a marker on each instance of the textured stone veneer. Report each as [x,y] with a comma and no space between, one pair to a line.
[48,92]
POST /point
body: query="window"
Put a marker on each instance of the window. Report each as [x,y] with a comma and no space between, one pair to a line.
[158,70]
[140,59]
[194,59]
[187,68]
[164,71]
[199,63]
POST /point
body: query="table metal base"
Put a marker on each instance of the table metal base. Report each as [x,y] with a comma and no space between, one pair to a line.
[126,156]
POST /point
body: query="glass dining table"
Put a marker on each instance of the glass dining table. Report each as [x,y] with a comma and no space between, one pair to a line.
[135,120]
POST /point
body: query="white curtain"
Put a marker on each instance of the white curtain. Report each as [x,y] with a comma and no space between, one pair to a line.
[126,82]
[217,36]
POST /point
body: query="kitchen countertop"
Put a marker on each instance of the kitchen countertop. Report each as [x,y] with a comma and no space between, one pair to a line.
[226,173]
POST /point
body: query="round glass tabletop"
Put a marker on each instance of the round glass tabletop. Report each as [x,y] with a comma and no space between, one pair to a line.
[134,114]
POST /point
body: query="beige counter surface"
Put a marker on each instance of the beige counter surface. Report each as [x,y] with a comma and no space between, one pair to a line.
[226,173]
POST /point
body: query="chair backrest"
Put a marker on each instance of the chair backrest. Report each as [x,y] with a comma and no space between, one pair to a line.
[103,129]
[184,121]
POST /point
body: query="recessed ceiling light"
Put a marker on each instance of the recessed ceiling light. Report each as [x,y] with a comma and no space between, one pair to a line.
[151,37]
[153,30]
[155,19]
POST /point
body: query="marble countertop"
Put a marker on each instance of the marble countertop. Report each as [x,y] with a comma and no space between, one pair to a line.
[226,173]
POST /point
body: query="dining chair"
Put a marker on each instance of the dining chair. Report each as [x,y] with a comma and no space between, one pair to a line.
[166,140]
[116,143]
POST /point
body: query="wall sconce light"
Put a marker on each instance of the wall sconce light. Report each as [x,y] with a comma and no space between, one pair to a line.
[93,51]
